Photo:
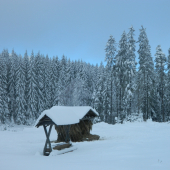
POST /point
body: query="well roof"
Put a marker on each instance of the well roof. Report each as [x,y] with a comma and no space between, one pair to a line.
[65,115]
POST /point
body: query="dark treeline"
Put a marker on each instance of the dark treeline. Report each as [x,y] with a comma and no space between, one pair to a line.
[31,84]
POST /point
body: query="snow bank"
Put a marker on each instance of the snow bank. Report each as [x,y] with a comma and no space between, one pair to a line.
[129,146]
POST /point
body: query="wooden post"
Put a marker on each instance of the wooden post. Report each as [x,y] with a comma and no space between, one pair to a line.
[48,149]
[67,129]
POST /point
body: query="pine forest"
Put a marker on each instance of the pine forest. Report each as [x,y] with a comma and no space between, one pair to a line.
[130,83]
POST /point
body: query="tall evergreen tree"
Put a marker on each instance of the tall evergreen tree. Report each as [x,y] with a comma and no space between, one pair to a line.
[62,81]
[46,82]
[121,74]
[12,85]
[32,102]
[160,61]
[98,92]
[4,111]
[39,84]
[106,102]
[20,117]
[26,71]
[130,89]
[145,74]
[110,58]
[168,86]
[54,76]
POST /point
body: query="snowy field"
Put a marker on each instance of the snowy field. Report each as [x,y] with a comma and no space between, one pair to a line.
[131,146]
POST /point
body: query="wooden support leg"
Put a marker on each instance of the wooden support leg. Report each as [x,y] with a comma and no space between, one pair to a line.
[47,147]
[67,130]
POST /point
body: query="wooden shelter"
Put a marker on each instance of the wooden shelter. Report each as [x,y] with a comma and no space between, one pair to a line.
[71,123]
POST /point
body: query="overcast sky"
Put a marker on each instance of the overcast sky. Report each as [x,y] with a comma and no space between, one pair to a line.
[80,29]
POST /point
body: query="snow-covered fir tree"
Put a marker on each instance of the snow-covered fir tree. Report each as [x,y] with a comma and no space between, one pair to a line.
[145,74]
[110,58]
[122,75]
[160,61]
[12,85]
[32,102]
[98,92]
[39,84]
[26,71]
[168,87]
[131,63]
[4,111]
[20,116]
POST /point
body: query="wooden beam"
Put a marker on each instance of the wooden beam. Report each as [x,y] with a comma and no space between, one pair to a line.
[67,130]
[47,150]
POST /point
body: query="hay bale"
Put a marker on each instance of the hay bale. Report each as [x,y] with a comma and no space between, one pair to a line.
[77,131]
[85,127]
[61,133]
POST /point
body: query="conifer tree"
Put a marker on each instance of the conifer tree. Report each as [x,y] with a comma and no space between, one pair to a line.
[4,111]
[145,74]
[160,61]
[32,102]
[26,71]
[62,81]
[168,86]
[106,97]
[12,85]
[20,117]
[130,89]
[110,58]
[54,76]
[46,82]
[121,73]
[39,84]
[98,92]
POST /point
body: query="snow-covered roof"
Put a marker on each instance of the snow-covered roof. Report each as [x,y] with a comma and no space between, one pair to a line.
[64,115]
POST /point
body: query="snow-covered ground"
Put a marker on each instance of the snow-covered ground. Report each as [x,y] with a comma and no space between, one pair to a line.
[129,146]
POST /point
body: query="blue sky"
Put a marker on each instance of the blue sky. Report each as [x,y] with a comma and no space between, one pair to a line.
[80,29]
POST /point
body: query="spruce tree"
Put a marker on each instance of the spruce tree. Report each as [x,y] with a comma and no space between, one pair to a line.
[62,81]
[46,82]
[145,75]
[26,71]
[12,85]
[110,58]
[160,61]
[39,84]
[32,102]
[106,97]
[168,86]
[4,111]
[130,89]
[98,92]
[54,76]
[121,74]
[20,117]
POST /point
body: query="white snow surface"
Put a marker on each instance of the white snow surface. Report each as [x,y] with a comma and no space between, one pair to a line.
[129,146]
[64,115]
